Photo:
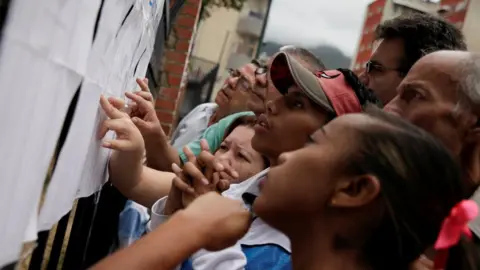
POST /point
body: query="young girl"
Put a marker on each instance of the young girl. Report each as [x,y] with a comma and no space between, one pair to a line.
[373,194]
[368,192]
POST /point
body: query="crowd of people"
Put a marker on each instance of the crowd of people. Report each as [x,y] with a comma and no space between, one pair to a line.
[301,166]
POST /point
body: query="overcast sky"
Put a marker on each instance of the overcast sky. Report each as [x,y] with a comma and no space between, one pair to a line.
[314,22]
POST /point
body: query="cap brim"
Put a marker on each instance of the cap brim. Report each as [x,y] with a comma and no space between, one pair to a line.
[286,71]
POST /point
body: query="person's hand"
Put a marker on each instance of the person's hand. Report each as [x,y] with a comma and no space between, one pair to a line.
[145,94]
[144,115]
[182,191]
[222,221]
[128,137]
[204,174]
[209,165]
[132,108]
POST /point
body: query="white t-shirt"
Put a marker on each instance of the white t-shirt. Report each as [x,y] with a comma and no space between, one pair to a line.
[231,258]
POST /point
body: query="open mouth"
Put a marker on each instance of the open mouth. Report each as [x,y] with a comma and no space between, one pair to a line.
[263,121]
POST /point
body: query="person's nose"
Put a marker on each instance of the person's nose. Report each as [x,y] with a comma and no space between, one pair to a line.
[271,107]
[226,158]
[232,82]
[393,106]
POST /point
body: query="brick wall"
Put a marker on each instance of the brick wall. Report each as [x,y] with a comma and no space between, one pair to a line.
[174,63]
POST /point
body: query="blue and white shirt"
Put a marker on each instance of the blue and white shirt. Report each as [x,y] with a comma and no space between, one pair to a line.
[263,247]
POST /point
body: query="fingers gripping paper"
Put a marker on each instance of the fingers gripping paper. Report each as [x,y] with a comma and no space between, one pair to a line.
[46,55]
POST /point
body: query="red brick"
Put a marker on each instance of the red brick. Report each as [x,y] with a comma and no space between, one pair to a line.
[184,33]
[190,10]
[185,21]
[175,56]
[168,105]
[169,93]
[165,117]
[182,46]
[174,80]
[174,68]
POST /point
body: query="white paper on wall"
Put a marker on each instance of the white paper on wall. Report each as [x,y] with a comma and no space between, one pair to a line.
[65,181]
[82,165]
[129,42]
[41,83]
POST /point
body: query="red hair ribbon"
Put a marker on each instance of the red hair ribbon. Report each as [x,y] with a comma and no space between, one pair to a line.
[452,229]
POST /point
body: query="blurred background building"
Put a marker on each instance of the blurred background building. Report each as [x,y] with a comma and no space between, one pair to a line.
[463,13]
[228,38]
[466,15]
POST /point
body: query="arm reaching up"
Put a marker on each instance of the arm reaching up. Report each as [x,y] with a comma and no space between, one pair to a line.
[127,173]
[160,154]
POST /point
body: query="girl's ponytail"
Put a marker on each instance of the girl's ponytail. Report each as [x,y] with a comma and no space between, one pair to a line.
[454,246]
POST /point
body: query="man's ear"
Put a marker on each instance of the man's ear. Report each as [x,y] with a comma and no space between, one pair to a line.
[356,192]
[470,156]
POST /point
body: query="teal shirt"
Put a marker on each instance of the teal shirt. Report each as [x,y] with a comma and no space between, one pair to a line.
[213,134]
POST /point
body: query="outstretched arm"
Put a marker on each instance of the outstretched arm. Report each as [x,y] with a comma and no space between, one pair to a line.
[127,173]
[164,248]
[211,221]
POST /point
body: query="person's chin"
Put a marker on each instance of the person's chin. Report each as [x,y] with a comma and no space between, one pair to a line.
[261,141]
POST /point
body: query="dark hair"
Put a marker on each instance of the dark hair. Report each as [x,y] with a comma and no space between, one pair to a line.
[421,34]
[312,62]
[248,121]
[420,183]
[364,94]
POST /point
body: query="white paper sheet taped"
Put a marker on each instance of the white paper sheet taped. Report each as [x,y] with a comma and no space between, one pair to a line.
[46,54]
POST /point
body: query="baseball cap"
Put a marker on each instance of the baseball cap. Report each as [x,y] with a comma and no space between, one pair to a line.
[327,88]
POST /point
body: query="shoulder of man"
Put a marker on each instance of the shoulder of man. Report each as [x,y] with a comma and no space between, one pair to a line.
[193,124]
[213,134]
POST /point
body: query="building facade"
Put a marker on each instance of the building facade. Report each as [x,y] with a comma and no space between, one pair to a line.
[379,11]
[465,14]
[229,38]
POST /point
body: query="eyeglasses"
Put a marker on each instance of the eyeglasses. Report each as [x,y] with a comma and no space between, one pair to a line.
[371,66]
[235,73]
[261,70]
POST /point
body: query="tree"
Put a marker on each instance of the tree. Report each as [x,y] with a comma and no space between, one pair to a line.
[207,5]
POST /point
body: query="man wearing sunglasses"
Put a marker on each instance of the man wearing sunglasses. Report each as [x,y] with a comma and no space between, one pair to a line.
[402,41]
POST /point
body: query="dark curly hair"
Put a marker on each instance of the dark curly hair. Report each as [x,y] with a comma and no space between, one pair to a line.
[364,94]
[421,34]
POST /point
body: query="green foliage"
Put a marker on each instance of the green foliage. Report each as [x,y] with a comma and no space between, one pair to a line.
[207,5]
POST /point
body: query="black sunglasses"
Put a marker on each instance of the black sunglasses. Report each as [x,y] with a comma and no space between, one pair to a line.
[372,66]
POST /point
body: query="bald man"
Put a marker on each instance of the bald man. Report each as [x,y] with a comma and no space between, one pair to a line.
[441,94]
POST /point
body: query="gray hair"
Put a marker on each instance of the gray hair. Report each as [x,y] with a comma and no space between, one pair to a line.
[469,83]
[311,61]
